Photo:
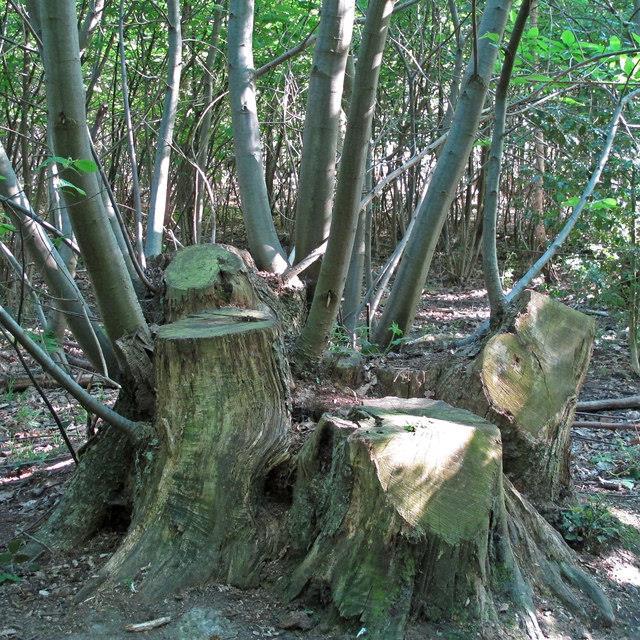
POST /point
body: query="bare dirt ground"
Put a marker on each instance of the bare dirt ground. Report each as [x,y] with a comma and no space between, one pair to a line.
[41,604]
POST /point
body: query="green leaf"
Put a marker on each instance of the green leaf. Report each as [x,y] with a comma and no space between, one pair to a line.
[65,185]
[614,43]
[494,37]
[9,577]
[534,32]
[65,163]
[85,166]
[568,38]
[5,228]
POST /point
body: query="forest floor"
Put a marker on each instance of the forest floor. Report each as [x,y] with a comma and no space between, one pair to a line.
[34,465]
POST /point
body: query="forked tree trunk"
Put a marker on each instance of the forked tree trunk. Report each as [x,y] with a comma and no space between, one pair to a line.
[525,378]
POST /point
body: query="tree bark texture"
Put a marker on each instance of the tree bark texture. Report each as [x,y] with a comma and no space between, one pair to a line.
[322,123]
[346,208]
[222,423]
[115,294]
[261,232]
[160,180]
[401,510]
[525,378]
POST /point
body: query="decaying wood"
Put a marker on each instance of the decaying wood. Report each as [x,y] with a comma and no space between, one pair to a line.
[206,276]
[609,426]
[630,402]
[222,422]
[401,509]
[148,626]
[524,378]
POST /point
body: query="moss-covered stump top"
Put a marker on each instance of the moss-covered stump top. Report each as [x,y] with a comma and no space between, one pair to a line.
[532,374]
[206,276]
[437,464]
[216,323]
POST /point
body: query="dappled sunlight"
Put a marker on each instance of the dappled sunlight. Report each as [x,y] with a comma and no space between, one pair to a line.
[440,475]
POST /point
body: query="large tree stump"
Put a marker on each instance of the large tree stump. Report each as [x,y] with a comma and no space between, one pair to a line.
[399,511]
[222,422]
[210,276]
[525,377]
[206,276]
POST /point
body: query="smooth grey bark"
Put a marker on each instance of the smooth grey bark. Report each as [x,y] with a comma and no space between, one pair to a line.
[322,125]
[263,240]
[57,322]
[160,179]
[131,146]
[491,269]
[204,130]
[333,273]
[353,285]
[407,287]
[114,290]
[66,296]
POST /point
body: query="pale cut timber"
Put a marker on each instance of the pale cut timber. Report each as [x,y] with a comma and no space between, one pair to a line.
[222,423]
[525,378]
[401,509]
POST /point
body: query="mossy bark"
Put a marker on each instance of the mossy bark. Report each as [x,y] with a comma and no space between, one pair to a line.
[399,511]
[210,276]
[206,276]
[222,424]
[525,377]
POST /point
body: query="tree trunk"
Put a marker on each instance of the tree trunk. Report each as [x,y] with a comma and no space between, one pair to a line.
[401,510]
[317,169]
[346,208]
[261,232]
[525,378]
[160,181]
[202,514]
[115,295]
[490,266]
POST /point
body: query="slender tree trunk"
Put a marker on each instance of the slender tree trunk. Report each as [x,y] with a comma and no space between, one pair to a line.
[491,269]
[135,182]
[407,289]
[160,180]
[322,125]
[67,298]
[90,23]
[115,295]
[346,208]
[261,232]
[204,132]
